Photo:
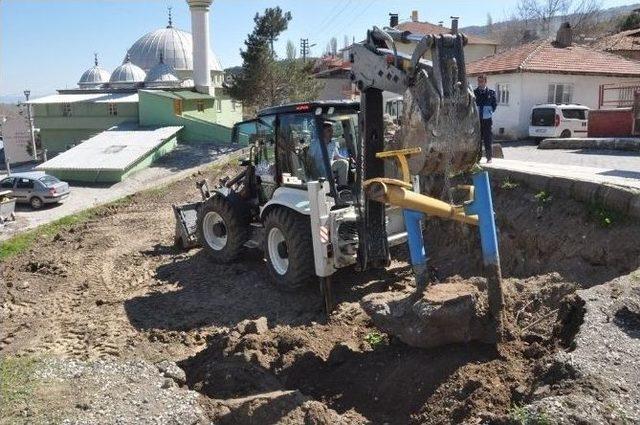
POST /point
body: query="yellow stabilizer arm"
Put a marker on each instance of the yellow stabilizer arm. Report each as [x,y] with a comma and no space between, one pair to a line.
[395,192]
[399,193]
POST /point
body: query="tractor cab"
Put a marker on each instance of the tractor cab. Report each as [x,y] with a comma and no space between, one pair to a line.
[292,145]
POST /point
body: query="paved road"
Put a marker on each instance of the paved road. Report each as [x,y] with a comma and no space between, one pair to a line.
[184,160]
[620,163]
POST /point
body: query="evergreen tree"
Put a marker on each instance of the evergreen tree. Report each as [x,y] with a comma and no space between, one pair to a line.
[630,22]
[264,80]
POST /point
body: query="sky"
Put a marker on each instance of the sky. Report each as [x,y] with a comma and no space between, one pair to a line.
[48,44]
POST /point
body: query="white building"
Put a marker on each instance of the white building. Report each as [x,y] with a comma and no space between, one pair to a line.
[548,71]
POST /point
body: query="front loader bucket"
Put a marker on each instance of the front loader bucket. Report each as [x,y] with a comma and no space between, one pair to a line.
[440,114]
[186,216]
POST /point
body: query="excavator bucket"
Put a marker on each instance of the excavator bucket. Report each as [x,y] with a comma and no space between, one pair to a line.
[440,115]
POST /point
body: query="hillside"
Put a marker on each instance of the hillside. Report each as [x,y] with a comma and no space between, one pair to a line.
[606,15]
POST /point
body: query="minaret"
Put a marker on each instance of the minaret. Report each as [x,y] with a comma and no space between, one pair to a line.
[200,33]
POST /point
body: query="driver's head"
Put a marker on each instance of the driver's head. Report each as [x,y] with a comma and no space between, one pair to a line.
[327,131]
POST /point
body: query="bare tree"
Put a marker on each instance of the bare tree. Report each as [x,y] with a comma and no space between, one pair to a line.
[542,12]
[291,50]
[334,46]
[543,15]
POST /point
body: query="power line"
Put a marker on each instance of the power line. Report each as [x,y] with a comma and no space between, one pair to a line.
[326,18]
[334,17]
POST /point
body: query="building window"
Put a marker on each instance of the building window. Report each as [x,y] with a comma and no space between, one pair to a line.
[177,106]
[219,103]
[502,94]
[233,105]
[200,105]
[560,93]
[66,109]
[113,110]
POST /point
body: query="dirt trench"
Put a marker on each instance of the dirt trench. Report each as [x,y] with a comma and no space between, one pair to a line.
[121,290]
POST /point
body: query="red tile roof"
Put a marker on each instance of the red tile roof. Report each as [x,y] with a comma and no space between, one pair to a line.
[625,40]
[544,56]
[429,28]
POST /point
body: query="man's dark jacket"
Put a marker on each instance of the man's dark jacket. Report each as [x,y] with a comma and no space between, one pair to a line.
[485,97]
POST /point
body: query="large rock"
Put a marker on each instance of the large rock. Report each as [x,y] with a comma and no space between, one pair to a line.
[282,407]
[445,314]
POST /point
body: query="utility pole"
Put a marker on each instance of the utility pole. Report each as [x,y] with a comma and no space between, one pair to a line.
[305,48]
[31,134]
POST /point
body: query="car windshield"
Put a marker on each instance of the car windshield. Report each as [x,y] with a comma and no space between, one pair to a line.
[48,180]
[544,117]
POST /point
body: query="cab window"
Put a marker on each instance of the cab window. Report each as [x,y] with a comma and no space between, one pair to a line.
[296,138]
[24,183]
[6,183]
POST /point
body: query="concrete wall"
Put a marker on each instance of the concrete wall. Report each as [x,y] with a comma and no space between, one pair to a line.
[157,110]
[114,176]
[333,88]
[530,89]
[58,133]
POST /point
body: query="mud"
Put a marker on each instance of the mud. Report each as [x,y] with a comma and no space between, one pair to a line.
[114,287]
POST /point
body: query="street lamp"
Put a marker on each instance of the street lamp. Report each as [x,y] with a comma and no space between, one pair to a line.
[33,138]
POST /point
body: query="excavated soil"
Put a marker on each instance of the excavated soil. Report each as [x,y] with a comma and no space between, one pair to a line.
[115,287]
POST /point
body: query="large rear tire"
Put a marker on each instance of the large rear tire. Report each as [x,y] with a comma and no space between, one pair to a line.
[223,229]
[288,249]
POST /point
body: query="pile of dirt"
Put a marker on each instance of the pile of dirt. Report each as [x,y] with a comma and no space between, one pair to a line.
[124,292]
[540,234]
[348,365]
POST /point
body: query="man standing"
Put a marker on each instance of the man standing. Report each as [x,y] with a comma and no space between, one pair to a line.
[487,104]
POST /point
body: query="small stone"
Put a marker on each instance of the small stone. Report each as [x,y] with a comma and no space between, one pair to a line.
[171,370]
[257,326]
[168,383]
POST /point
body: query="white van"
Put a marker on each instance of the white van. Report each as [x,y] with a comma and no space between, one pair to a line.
[551,120]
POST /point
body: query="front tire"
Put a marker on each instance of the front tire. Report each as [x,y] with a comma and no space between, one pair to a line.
[288,249]
[222,229]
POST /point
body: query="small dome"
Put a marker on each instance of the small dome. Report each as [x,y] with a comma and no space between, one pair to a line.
[175,45]
[161,75]
[94,77]
[127,75]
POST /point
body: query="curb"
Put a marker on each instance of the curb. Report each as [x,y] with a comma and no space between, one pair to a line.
[617,143]
[622,199]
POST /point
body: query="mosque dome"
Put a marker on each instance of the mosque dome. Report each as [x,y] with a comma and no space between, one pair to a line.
[175,45]
[162,75]
[127,75]
[94,77]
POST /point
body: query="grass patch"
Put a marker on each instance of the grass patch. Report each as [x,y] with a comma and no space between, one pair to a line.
[507,184]
[543,197]
[522,416]
[16,382]
[157,191]
[604,216]
[23,241]
[375,339]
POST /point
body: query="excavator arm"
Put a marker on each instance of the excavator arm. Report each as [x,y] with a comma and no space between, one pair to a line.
[439,117]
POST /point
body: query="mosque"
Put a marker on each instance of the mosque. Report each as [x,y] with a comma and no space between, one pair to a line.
[169,89]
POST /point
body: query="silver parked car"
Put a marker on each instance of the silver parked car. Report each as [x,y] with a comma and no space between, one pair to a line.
[35,188]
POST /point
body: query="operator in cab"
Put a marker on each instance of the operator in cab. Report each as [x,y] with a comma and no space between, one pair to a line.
[339,163]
